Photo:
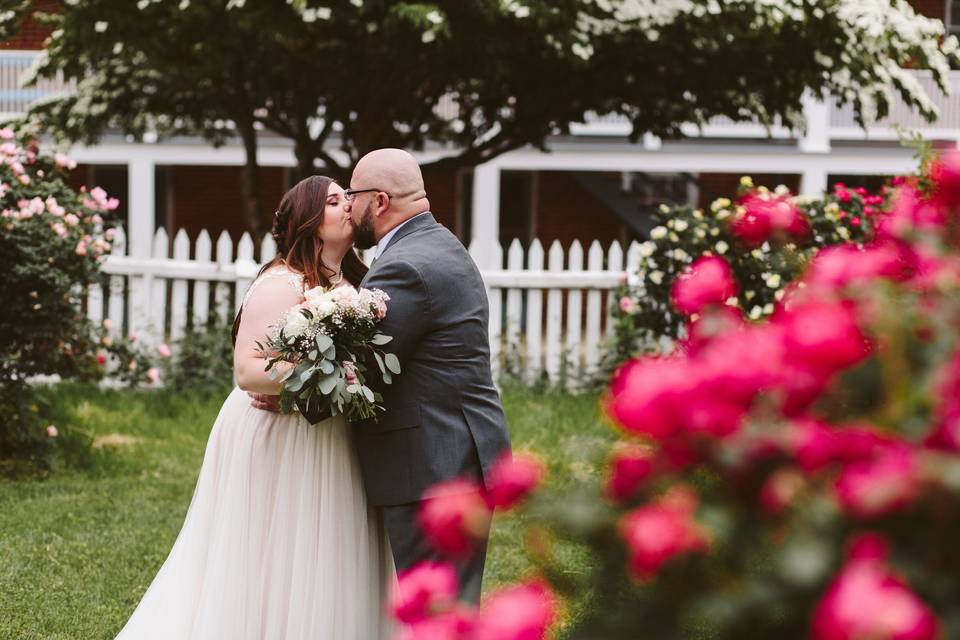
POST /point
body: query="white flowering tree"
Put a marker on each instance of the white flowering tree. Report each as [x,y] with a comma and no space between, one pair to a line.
[340,77]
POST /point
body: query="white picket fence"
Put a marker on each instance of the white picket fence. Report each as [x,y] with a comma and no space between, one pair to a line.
[549,311]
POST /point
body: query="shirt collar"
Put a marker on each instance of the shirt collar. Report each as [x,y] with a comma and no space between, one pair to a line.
[385,240]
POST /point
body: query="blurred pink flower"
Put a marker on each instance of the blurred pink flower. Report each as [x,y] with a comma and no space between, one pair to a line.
[453,515]
[945,173]
[875,487]
[764,216]
[780,490]
[707,281]
[659,532]
[153,374]
[522,612]
[645,395]
[866,600]
[513,478]
[423,591]
[453,624]
[823,336]
[164,350]
[52,431]
[629,467]
[627,305]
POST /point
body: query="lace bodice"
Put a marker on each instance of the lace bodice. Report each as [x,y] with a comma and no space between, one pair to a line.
[294,279]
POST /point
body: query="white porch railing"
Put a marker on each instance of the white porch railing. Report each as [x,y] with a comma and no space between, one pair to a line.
[548,310]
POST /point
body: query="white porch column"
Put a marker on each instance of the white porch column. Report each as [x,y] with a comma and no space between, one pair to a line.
[140,231]
[813,181]
[485,223]
[817,137]
[140,204]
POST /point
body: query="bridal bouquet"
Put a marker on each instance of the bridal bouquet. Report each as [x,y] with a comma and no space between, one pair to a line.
[329,338]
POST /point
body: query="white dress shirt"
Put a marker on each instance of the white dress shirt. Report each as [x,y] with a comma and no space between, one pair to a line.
[385,240]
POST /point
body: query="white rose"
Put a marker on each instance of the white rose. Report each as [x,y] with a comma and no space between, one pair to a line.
[658,232]
[656,277]
[295,324]
[681,225]
[722,247]
[323,308]
[647,249]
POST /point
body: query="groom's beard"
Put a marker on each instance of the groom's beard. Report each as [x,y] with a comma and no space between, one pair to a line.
[363,236]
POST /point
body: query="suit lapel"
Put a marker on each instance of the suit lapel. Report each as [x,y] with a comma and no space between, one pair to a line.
[414,224]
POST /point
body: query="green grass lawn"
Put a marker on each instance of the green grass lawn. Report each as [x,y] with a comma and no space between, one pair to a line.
[78,549]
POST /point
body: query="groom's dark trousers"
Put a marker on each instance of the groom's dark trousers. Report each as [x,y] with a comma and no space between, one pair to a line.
[443,418]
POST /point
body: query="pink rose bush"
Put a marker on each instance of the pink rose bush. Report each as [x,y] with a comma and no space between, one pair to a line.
[741,253]
[793,475]
[53,239]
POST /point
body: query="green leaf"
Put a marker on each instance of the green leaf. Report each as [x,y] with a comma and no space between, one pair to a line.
[326,366]
[392,362]
[328,383]
[367,393]
[381,339]
[324,342]
[379,359]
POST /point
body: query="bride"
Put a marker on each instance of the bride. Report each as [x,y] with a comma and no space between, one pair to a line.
[278,542]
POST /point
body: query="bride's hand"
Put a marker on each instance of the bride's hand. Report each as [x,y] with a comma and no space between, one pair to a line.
[264,402]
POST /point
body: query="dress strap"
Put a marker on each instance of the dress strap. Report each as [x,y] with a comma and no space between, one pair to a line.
[295,280]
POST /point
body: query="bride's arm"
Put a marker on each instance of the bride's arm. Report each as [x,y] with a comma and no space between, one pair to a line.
[266,305]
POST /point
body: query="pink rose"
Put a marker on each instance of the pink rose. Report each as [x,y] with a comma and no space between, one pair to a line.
[522,612]
[945,173]
[349,372]
[6,133]
[646,396]
[81,248]
[888,483]
[512,479]
[52,431]
[627,305]
[424,590]
[153,374]
[629,468]
[707,281]
[866,600]
[164,350]
[454,624]
[64,162]
[824,336]
[453,515]
[101,358]
[659,532]
[764,216]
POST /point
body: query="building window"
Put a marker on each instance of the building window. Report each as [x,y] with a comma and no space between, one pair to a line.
[952,17]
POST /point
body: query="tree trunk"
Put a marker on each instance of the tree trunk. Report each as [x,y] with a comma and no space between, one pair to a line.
[251,188]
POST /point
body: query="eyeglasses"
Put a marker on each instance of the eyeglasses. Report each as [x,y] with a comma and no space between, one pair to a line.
[350,194]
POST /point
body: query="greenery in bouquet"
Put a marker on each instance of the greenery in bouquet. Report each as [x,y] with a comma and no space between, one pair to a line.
[53,239]
[791,477]
[762,267]
[329,344]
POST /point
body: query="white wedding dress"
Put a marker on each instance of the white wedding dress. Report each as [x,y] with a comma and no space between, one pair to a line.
[279,542]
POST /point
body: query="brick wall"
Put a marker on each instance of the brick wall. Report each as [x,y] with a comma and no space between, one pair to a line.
[207,197]
[444,195]
[565,211]
[724,185]
[31,34]
[930,8]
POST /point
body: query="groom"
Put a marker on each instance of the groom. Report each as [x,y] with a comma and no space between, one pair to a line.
[443,418]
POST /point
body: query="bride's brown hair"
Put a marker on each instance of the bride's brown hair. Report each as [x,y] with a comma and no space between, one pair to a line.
[295,231]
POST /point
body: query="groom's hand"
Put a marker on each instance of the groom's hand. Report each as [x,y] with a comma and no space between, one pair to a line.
[264,401]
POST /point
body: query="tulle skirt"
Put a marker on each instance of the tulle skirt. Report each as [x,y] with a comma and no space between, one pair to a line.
[278,542]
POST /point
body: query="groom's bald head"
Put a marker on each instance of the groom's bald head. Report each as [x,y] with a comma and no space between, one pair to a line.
[392,170]
[400,194]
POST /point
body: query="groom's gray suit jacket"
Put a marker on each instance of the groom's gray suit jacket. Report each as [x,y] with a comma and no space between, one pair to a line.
[443,415]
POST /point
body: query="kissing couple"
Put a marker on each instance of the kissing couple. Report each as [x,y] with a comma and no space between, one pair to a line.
[296,530]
